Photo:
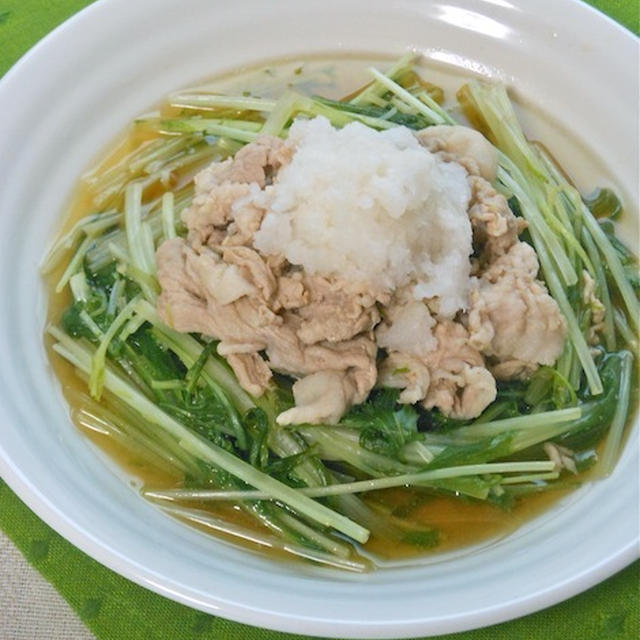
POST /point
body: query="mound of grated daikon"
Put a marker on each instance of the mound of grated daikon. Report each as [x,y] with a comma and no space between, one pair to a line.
[372,207]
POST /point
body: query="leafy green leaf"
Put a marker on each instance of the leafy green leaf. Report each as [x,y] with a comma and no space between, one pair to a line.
[385,426]
[604,203]
[152,361]
[546,387]
[257,426]
[504,499]
[625,255]
[103,278]
[423,539]
[405,119]
[597,412]
[73,324]
[435,420]
[194,372]
[473,453]
[282,468]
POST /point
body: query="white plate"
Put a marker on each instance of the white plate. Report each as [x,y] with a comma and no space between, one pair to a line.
[69,97]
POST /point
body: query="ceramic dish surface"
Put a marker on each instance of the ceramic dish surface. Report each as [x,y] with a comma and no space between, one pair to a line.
[70,97]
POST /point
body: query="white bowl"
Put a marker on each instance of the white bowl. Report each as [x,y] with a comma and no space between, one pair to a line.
[80,86]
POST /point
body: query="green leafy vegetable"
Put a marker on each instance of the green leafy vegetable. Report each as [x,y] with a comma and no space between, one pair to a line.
[604,203]
[423,539]
[385,427]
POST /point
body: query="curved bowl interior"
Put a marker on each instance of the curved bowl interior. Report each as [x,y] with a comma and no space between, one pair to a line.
[69,98]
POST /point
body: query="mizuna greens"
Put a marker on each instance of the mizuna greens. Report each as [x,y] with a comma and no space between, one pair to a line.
[172,400]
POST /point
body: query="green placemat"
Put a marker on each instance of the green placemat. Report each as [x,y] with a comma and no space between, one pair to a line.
[116,609]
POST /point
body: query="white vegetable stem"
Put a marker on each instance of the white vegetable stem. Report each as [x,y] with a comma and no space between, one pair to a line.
[436,116]
[223,526]
[168,216]
[410,479]
[555,285]
[139,237]
[533,421]
[213,101]
[98,361]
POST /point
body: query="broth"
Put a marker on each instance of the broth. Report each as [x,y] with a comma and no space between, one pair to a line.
[461,523]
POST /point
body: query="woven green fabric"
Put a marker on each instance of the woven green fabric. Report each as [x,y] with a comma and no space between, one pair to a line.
[116,609]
